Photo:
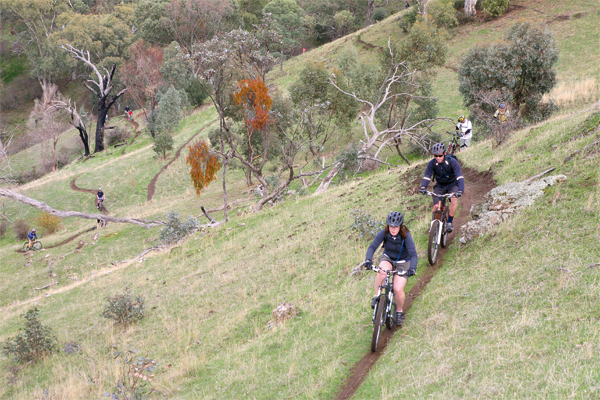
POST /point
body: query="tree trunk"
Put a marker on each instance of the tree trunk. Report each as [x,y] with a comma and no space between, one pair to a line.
[325,184]
[470,7]
[84,139]
[397,143]
[66,214]
[102,111]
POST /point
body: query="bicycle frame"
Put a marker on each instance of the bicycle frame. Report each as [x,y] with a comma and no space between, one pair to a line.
[387,288]
[454,144]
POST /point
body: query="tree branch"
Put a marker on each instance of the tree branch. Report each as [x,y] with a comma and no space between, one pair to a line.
[66,214]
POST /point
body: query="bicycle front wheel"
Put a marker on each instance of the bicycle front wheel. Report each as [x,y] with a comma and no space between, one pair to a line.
[432,248]
[389,320]
[378,323]
[37,246]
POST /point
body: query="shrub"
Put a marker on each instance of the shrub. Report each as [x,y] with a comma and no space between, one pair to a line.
[49,222]
[163,143]
[349,162]
[444,14]
[379,14]
[175,229]
[366,225]
[137,373]
[35,342]
[123,309]
[196,93]
[495,8]
[22,228]
[2,229]
[409,18]
[117,135]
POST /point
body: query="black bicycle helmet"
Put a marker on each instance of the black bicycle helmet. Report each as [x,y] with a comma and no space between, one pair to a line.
[395,219]
[438,148]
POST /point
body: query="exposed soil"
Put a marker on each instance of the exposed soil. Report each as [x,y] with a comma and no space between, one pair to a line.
[78,189]
[152,184]
[68,240]
[477,184]
[137,133]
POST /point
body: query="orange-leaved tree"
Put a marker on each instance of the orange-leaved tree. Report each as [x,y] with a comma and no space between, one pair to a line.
[203,163]
[252,96]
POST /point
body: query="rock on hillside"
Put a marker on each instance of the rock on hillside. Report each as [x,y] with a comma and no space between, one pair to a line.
[502,202]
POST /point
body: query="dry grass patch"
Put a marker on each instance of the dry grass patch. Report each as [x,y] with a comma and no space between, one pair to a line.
[570,93]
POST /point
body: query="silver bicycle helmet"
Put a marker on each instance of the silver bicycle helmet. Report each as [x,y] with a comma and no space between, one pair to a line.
[438,148]
[395,219]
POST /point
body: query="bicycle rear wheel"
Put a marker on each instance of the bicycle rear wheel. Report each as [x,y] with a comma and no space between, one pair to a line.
[37,246]
[26,246]
[432,248]
[378,322]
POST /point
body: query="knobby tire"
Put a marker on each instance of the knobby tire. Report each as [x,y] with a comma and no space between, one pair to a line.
[378,323]
[389,320]
[37,246]
[432,248]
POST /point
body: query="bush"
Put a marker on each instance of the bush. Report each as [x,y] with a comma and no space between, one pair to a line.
[35,342]
[196,93]
[2,229]
[123,309]
[163,143]
[366,226]
[379,14]
[117,135]
[50,223]
[409,18]
[495,8]
[175,229]
[22,228]
[444,14]
[349,162]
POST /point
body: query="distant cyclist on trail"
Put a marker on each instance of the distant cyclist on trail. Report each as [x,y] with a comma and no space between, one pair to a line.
[99,198]
[398,245]
[448,177]
[502,113]
[30,236]
[464,129]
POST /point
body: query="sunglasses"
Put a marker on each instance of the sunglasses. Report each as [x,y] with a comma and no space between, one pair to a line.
[438,155]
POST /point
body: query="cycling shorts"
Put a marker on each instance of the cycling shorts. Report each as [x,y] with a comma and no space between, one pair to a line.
[395,265]
[443,189]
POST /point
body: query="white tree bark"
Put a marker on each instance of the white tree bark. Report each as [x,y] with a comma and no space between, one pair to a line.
[470,7]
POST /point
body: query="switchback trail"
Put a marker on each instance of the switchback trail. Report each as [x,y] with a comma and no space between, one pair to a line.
[152,184]
[78,189]
[477,184]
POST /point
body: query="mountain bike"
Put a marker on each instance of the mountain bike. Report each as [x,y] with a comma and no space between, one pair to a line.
[385,308]
[438,236]
[99,204]
[454,145]
[36,245]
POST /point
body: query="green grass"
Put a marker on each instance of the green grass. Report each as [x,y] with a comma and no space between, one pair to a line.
[12,67]
[512,315]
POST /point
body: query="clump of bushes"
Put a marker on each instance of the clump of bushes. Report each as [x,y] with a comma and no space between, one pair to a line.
[124,309]
[33,343]
[117,135]
[176,229]
[50,223]
[365,224]
[495,8]
[22,228]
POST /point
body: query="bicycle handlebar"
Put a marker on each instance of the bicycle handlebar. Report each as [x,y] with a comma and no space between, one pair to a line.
[392,272]
[447,195]
[454,134]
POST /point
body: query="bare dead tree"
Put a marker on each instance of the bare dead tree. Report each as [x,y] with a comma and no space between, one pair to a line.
[398,76]
[103,86]
[76,121]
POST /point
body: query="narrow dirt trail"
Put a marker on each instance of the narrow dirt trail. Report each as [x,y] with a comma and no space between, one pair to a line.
[477,184]
[78,189]
[137,133]
[152,184]
[66,241]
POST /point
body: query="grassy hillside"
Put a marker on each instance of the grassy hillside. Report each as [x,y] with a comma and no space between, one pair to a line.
[513,314]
